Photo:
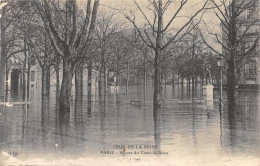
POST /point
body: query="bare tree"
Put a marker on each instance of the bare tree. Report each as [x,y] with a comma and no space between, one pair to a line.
[9,14]
[45,55]
[106,31]
[237,42]
[157,30]
[122,59]
[70,37]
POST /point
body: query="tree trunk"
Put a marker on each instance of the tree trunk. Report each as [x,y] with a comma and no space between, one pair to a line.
[103,81]
[165,80]
[102,87]
[3,56]
[127,78]
[105,78]
[157,65]
[24,78]
[57,86]
[65,92]
[57,70]
[79,84]
[144,81]
[99,82]
[173,82]
[120,80]
[182,81]
[89,81]
[231,82]
[45,89]
[6,83]
[28,81]
[231,74]
[157,86]
[193,82]
[161,83]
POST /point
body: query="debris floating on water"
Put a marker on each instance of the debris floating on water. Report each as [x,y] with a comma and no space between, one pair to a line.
[8,105]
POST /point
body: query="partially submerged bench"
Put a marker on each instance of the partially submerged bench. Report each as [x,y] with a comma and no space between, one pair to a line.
[136,102]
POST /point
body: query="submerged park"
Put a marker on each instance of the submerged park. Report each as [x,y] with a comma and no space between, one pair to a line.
[159,82]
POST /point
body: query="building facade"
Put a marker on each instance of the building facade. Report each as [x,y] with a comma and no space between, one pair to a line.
[248,67]
[249,73]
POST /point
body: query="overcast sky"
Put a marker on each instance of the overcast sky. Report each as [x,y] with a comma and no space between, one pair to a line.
[129,8]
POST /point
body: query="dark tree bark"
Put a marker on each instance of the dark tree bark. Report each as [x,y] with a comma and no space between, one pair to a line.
[103,82]
[100,83]
[182,80]
[6,82]
[157,65]
[165,79]
[57,71]
[65,92]
[24,72]
[127,77]
[157,85]
[3,55]
[231,79]
[57,86]
[79,84]
[89,81]
[145,79]
[173,81]
[193,82]
[71,43]
[231,82]
[28,81]
[45,89]
[78,92]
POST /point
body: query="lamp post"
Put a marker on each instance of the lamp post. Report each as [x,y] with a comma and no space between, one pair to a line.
[220,65]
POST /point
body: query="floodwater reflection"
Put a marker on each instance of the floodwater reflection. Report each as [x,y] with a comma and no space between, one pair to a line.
[157,130]
[184,126]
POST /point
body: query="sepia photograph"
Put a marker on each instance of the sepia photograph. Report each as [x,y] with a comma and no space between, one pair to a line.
[129,82]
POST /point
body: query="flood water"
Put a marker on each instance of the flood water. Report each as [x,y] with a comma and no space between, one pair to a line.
[186,131]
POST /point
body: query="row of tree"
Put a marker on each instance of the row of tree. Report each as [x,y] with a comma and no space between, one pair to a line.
[62,35]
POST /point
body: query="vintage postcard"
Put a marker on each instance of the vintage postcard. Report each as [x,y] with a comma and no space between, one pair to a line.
[129,82]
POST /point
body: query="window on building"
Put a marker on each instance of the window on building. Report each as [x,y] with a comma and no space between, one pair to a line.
[250,68]
[32,76]
[250,71]
[249,14]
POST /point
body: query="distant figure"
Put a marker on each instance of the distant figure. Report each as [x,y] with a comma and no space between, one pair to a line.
[123,152]
[208,75]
